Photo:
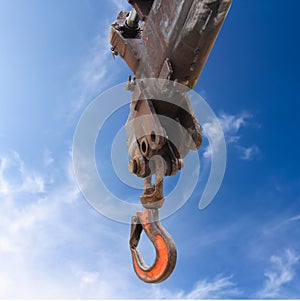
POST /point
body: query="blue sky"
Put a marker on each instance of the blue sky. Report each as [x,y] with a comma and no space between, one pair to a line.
[54,59]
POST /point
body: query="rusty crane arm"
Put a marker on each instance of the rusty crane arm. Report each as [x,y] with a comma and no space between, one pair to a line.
[168,40]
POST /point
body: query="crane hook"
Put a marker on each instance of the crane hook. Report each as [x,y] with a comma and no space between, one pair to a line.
[166,253]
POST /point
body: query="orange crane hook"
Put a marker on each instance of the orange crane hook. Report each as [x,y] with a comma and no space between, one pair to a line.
[166,253]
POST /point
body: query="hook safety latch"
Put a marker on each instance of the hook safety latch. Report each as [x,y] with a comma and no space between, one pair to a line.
[165,247]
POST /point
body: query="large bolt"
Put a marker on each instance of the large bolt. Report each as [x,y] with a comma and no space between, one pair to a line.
[139,166]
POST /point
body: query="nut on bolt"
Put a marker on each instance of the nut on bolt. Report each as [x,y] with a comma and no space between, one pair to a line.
[138,166]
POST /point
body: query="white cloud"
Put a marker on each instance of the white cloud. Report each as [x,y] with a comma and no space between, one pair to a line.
[26,180]
[23,206]
[33,184]
[87,280]
[212,130]
[26,221]
[295,218]
[281,272]
[220,287]
[231,126]
[248,153]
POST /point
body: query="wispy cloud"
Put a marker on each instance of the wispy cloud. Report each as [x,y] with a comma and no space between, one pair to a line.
[91,79]
[29,181]
[232,125]
[280,273]
[294,218]
[40,236]
[248,153]
[220,287]
[212,129]
[98,70]
[24,202]
[28,218]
